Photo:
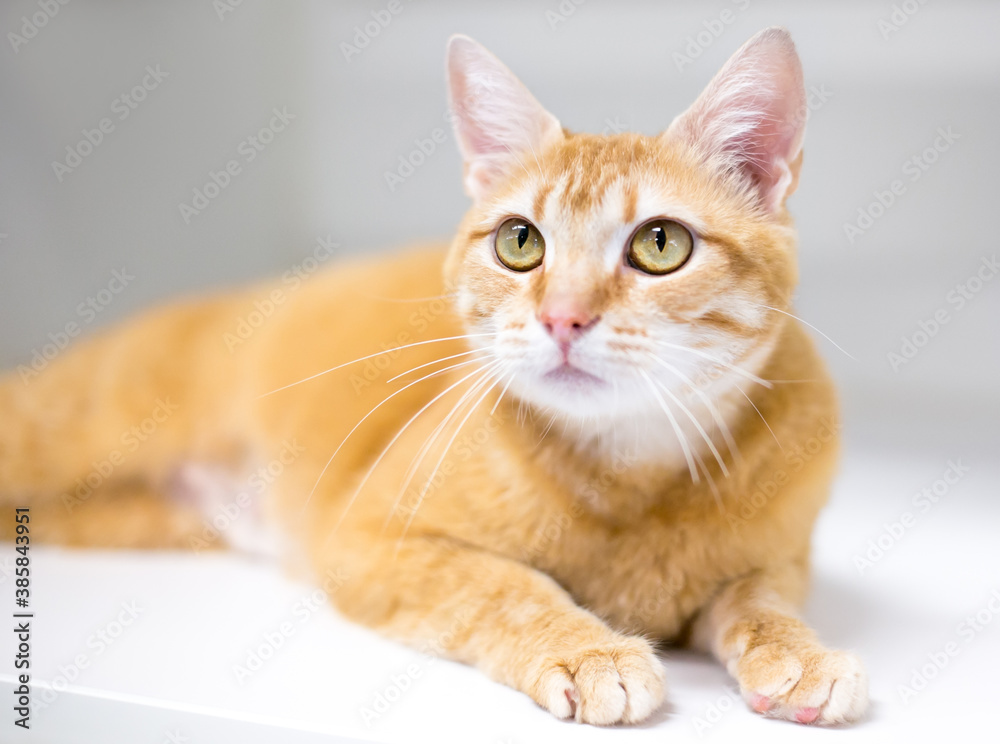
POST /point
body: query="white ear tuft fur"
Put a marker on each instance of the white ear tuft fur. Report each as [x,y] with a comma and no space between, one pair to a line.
[750,120]
[496,118]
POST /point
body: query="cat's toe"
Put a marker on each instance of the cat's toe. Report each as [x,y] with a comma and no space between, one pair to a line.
[644,682]
[619,682]
[806,685]
[848,698]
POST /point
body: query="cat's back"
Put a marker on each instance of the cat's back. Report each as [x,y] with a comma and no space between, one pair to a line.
[355,309]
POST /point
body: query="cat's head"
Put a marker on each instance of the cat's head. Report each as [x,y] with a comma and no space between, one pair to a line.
[615,271]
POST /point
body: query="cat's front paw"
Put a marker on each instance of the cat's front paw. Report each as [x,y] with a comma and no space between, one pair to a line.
[620,681]
[806,684]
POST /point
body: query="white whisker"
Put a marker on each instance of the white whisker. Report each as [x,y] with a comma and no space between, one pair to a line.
[720,362]
[385,450]
[681,438]
[444,453]
[502,393]
[367,415]
[698,426]
[713,410]
[370,356]
[711,484]
[761,418]
[546,430]
[429,444]
[437,361]
[805,322]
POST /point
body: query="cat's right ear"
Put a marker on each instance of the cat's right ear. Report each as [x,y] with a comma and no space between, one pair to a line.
[497,121]
[751,118]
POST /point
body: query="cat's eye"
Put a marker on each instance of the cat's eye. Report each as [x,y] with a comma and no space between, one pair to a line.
[660,246]
[519,245]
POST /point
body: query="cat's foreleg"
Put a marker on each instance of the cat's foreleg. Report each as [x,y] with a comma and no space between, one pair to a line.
[513,622]
[782,669]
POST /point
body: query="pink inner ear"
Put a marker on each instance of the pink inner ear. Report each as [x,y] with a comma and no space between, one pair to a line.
[751,117]
[496,119]
[765,148]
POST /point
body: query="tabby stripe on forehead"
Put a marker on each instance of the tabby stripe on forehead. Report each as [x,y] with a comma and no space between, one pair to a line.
[631,200]
[538,206]
[588,170]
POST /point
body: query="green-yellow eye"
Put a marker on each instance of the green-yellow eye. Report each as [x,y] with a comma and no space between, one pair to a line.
[519,245]
[660,246]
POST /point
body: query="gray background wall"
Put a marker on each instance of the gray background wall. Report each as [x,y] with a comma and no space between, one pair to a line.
[596,65]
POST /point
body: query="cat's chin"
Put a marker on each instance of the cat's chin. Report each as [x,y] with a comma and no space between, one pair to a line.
[568,375]
[570,392]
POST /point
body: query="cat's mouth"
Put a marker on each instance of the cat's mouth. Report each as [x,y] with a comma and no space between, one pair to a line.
[567,373]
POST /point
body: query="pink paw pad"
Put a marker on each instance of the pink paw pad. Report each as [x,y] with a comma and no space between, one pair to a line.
[807,715]
[760,703]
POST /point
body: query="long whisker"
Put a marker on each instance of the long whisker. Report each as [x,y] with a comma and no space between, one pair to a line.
[385,451]
[712,408]
[698,426]
[711,484]
[720,362]
[425,450]
[367,415]
[502,394]
[444,453]
[681,438]
[427,445]
[478,386]
[436,361]
[545,431]
[761,418]
[806,322]
[370,356]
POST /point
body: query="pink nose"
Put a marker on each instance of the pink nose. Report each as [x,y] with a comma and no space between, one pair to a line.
[566,323]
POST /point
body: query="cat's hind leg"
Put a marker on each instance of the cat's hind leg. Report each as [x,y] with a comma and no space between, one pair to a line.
[128,513]
[90,440]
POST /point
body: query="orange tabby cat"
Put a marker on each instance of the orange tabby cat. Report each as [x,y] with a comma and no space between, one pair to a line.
[591,441]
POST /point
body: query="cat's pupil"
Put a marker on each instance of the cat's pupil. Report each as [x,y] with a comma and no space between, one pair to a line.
[661,238]
[522,236]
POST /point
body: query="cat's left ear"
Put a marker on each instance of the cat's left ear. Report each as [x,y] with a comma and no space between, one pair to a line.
[497,120]
[751,118]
